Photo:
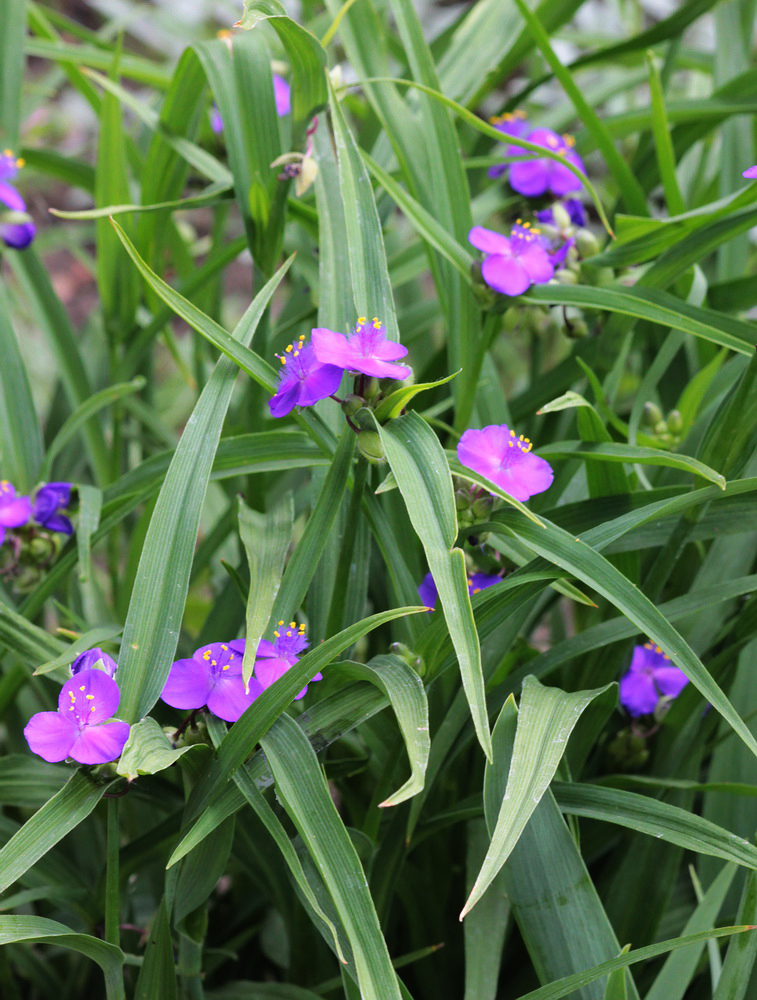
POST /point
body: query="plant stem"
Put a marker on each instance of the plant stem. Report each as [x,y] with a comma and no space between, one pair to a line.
[112,896]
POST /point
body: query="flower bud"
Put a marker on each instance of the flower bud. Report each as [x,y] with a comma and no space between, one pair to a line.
[587,243]
[675,422]
[351,404]
[652,415]
[629,750]
[370,447]
[560,215]
[566,276]
[462,499]
[306,177]
[577,329]
[482,508]
[371,388]
[41,548]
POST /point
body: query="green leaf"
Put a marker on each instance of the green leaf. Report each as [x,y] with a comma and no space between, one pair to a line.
[266,539]
[546,719]
[371,287]
[611,452]
[305,795]
[156,609]
[86,411]
[656,819]
[406,694]
[148,750]
[657,307]
[307,57]
[246,359]
[12,32]
[157,976]
[420,467]
[485,929]
[570,984]
[40,930]
[393,404]
[574,555]
[90,506]
[20,434]
[57,817]
[680,967]
[738,968]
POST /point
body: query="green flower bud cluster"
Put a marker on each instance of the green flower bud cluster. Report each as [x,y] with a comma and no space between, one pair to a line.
[668,430]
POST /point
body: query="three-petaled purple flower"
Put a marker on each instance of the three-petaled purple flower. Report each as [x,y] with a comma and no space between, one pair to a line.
[506,459]
[367,350]
[15,511]
[515,262]
[212,677]
[650,678]
[16,229]
[476,583]
[80,728]
[49,501]
[273,659]
[303,379]
[538,176]
[511,123]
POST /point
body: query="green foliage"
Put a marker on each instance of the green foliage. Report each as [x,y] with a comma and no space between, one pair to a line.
[325,843]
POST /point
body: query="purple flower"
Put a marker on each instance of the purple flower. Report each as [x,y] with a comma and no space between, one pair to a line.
[303,379]
[212,677]
[367,350]
[14,511]
[273,659]
[507,460]
[750,172]
[283,95]
[94,659]
[79,728]
[575,210]
[16,229]
[514,124]
[650,677]
[513,262]
[476,583]
[49,500]
[537,176]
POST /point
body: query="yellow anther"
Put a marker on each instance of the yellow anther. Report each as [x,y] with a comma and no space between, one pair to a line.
[476,590]
[289,633]
[361,320]
[82,688]
[7,152]
[290,348]
[206,655]
[296,353]
[90,697]
[536,231]
[518,222]
[20,162]
[231,657]
[223,33]
[277,634]
[280,623]
[512,434]
[92,709]
[510,443]
[283,360]
[569,140]
[226,667]
[214,663]
[224,646]
[293,624]
[526,225]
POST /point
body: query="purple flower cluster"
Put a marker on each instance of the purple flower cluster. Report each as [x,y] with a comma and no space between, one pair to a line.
[476,583]
[313,371]
[81,729]
[650,679]
[212,677]
[16,228]
[506,459]
[49,500]
[513,263]
[540,174]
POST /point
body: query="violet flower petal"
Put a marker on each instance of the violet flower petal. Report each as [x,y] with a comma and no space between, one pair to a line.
[638,693]
[100,744]
[17,235]
[88,659]
[505,275]
[534,259]
[530,177]
[750,172]
[51,736]
[427,591]
[15,513]
[323,381]
[670,680]
[561,180]
[268,671]
[188,684]
[228,699]
[283,95]
[489,241]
